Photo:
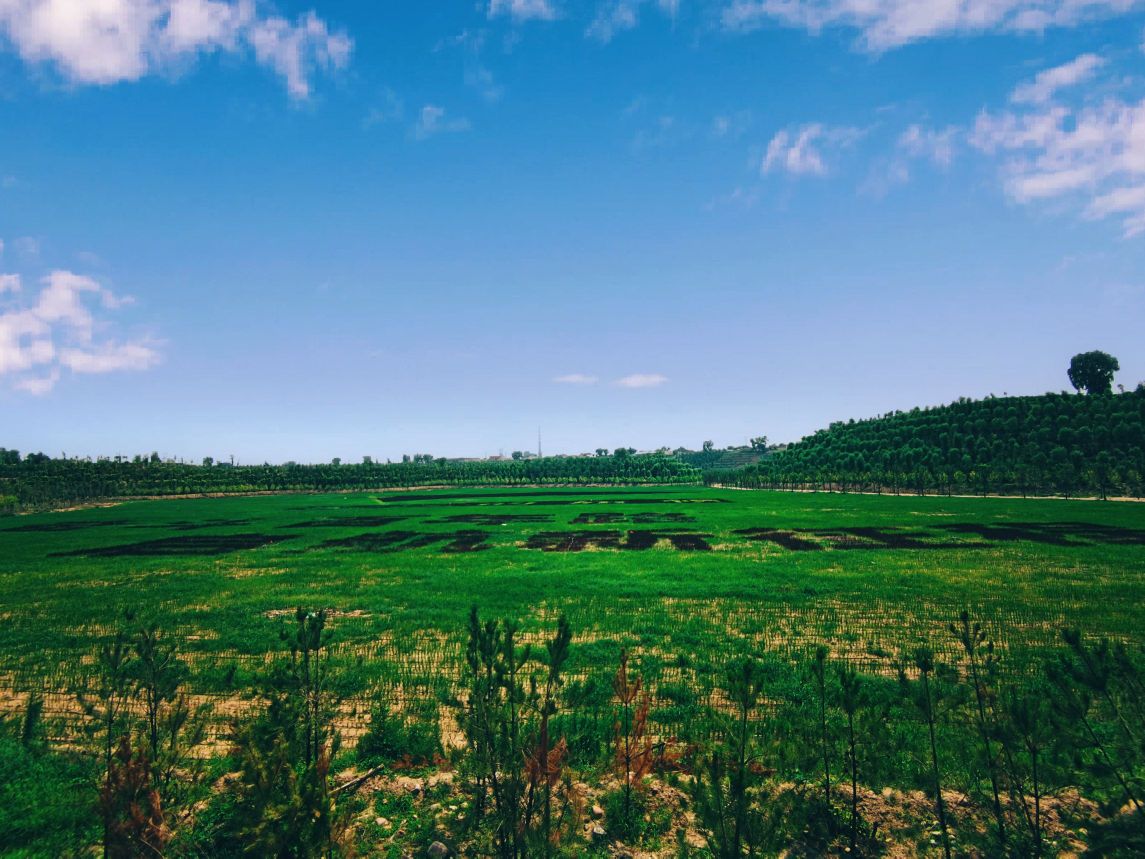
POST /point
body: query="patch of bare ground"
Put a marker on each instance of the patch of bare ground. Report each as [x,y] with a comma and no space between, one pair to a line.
[904,822]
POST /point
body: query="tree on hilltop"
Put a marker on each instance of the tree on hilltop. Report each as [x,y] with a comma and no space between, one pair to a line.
[1092,372]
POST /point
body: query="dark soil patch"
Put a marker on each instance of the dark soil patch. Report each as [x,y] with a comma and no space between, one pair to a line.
[787,539]
[400,541]
[537,493]
[567,502]
[493,518]
[1062,534]
[579,541]
[212,544]
[573,541]
[684,541]
[611,518]
[1052,533]
[349,522]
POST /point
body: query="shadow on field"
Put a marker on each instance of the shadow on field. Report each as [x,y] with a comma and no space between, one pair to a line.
[470,496]
[492,518]
[212,544]
[1062,534]
[349,522]
[635,518]
[58,527]
[580,541]
[400,541]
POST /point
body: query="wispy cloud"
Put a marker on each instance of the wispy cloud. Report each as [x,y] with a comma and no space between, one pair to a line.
[524,10]
[433,120]
[1092,150]
[935,145]
[9,283]
[1046,84]
[60,329]
[886,24]
[641,380]
[800,151]
[576,379]
[125,40]
[388,108]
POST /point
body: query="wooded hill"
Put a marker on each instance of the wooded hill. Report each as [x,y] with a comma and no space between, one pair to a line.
[1055,444]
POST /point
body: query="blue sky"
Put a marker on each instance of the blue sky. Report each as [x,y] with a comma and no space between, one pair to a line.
[306,230]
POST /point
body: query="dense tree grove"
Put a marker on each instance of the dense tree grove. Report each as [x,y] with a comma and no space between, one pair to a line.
[1056,444]
[37,481]
[979,757]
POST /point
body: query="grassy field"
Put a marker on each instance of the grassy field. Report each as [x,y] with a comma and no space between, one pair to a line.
[685,577]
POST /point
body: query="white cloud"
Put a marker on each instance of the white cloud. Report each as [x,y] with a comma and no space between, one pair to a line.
[641,380]
[1093,152]
[432,120]
[60,329]
[576,379]
[937,146]
[731,125]
[799,151]
[477,75]
[1128,202]
[109,41]
[523,10]
[885,24]
[616,16]
[38,386]
[1046,84]
[9,282]
[109,357]
[917,142]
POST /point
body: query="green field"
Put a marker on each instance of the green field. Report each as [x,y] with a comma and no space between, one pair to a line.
[685,577]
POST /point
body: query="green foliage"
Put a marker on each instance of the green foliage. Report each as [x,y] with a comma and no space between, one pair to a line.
[1052,444]
[726,794]
[47,806]
[282,804]
[38,481]
[391,738]
[1092,372]
[635,819]
[514,771]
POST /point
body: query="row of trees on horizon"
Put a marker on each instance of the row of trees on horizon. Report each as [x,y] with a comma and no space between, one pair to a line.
[1054,444]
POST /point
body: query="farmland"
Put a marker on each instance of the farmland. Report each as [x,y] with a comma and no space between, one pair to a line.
[662,570]
[683,578]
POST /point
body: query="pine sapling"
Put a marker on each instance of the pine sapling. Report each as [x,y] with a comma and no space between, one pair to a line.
[982,663]
[923,659]
[850,698]
[819,672]
[633,747]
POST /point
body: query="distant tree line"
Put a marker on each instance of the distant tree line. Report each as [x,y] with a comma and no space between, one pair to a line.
[1056,444]
[38,481]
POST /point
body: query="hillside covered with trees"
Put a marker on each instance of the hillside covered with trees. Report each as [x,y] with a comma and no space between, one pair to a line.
[1054,444]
